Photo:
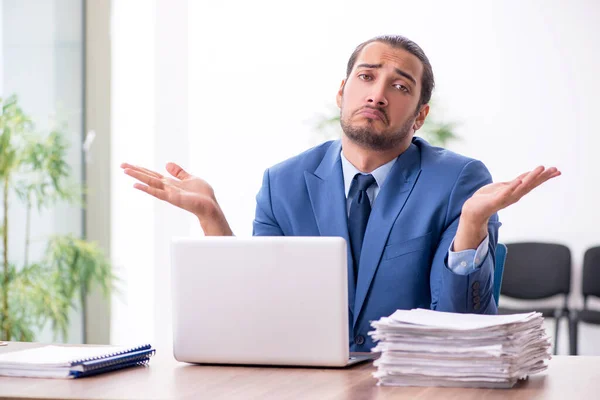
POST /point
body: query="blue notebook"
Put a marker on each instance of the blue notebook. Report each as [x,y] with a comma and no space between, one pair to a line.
[72,361]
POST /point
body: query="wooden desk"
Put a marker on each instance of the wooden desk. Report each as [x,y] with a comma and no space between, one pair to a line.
[165,378]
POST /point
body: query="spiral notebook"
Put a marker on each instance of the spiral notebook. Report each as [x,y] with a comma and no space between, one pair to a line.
[72,361]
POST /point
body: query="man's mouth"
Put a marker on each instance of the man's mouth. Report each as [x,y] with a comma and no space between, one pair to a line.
[372,113]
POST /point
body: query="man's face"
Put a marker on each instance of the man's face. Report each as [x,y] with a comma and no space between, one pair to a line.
[379,99]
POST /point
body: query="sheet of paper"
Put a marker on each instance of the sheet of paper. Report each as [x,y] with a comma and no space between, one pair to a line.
[54,355]
[460,322]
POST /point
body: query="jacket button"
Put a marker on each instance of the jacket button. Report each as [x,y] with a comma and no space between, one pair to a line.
[476,299]
[475,285]
[359,340]
[477,306]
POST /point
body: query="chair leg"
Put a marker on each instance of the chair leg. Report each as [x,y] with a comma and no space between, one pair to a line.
[556,327]
[573,335]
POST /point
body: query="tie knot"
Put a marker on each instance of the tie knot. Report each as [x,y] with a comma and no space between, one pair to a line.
[364,181]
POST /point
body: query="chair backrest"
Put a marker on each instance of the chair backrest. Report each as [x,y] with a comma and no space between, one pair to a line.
[536,270]
[590,285]
[499,269]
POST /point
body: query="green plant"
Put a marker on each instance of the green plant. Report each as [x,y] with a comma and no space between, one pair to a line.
[33,167]
[434,131]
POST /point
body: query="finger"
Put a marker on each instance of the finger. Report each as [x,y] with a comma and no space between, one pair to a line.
[533,174]
[537,180]
[512,186]
[528,180]
[545,176]
[169,181]
[523,175]
[518,187]
[177,171]
[553,173]
[147,179]
[158,193]
[550,175]
[142,169]
[151,173]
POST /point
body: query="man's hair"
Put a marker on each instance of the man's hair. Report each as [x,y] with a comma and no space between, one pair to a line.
[400,42]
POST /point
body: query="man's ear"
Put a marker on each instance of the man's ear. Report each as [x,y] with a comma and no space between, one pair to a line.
[420,120]
[338,98]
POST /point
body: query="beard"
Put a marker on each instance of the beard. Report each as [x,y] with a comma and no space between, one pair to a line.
[366,136]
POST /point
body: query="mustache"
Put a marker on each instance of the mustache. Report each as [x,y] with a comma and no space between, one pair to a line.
[382,111]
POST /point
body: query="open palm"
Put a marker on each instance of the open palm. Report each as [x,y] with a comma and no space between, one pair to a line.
[183,190]
[494,197]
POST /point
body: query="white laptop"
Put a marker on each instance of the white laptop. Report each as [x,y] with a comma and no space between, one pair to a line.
[261,301]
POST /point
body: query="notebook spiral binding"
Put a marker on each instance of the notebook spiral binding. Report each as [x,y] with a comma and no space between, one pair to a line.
[108,368]
[141,355]
[118,353]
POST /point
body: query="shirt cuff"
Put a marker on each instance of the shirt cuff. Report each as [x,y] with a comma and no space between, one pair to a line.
[466,261]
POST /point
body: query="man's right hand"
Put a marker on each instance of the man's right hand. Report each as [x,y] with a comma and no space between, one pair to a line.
[185,191]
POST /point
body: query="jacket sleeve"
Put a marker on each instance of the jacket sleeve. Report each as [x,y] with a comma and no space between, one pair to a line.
[473,292]
[265,223]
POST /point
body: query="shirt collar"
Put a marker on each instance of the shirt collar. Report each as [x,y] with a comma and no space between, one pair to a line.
[349,171]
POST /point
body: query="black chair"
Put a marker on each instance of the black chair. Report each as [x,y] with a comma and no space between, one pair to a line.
[590,286]
[535,271]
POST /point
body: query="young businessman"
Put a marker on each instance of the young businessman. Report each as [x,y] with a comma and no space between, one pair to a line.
[420,221]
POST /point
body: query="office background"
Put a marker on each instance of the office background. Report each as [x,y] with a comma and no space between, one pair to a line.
[229,89]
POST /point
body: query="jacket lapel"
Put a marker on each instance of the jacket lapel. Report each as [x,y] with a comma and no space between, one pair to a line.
[326,191]
[386,208]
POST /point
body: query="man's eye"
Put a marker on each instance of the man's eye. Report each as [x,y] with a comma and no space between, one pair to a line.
[401,87]
[365,77]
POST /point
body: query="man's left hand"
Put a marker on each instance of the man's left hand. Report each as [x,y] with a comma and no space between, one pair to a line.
[490,199]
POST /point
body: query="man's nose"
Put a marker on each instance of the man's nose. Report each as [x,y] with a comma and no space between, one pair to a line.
[377,97]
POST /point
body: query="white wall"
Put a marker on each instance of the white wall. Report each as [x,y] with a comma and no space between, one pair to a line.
[149,128]
[519,77]
[132,140]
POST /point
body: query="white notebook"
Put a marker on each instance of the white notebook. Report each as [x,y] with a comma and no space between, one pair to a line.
[72,361]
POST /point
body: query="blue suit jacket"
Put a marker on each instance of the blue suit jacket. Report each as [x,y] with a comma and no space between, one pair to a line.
[413,221]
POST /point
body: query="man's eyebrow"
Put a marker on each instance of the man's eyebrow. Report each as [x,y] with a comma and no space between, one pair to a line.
[398,71]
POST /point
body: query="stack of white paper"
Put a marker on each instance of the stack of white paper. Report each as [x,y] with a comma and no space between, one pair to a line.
[432,348]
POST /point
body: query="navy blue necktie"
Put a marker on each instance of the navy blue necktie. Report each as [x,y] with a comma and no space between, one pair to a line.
[360,209]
